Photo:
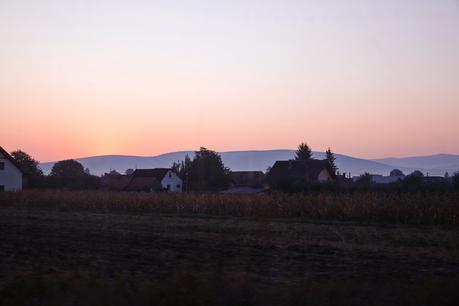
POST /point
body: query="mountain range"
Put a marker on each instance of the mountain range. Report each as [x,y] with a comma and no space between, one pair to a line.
[261,160]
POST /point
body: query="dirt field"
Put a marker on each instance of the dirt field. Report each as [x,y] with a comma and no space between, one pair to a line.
[221,260]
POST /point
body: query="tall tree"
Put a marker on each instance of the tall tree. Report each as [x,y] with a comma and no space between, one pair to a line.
[70,174]
[303,152]
[206,172]
[33,175]
[69,168]
[455,180]
[331,160]
[181,168]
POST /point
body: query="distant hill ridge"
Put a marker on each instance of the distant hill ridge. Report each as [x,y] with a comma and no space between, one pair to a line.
[262,159]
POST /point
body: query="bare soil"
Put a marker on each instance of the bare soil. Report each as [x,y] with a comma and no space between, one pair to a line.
[257,253]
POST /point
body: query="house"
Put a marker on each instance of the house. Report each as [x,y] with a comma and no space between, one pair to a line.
[143,180]
[247,182]
[10,173]
[313,170]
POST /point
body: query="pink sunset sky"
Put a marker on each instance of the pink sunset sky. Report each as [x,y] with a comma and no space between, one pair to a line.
[366,78]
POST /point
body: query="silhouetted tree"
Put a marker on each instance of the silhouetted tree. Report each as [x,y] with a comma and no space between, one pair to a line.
[417,173]
[33,175]
[206,172]
[129,171]
[303,152]
[70,174]
[413,181]
[364,181]
[114,172]
[455,180]
[331,161]
[67,168]
[396,172]
[182,167]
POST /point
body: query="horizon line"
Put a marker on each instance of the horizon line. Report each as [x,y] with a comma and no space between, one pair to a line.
[241,150]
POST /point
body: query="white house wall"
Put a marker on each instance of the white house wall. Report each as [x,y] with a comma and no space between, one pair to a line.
[172,182]
[10,176]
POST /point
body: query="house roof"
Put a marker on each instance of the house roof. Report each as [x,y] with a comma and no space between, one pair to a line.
[309,169]
[247,178]
[10,158]
[146,179]
[157,173]
[116,182]
[142,184]
[139,180]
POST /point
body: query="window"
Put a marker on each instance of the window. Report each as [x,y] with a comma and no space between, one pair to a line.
[170,175]
[168,187]
[2,165]
[2,188]
[178,186]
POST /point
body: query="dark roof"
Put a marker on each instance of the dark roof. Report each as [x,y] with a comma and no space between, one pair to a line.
[10,158]
[157,173]
[247,178]
[143,184]
[309,169]
[115,182]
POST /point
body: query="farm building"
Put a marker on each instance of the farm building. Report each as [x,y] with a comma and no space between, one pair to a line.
[144,180]
[313,170]
[10,173]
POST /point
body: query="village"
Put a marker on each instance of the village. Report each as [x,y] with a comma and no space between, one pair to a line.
[304,173]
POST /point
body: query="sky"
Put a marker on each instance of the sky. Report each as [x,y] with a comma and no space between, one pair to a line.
[92,77]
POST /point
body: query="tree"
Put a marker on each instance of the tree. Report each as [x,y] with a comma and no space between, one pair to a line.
[417,173]
[303,152]
[114,172]
[182,169]
[70,174]
[69,168]
[413,181]
[206,172]
[455,180]
[396,172]
[365,181]
[129,171]
[33,175]
[330,157]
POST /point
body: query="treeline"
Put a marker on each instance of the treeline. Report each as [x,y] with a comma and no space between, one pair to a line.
[365,184]
[65,174]
[206,172]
